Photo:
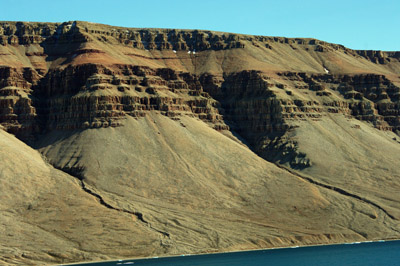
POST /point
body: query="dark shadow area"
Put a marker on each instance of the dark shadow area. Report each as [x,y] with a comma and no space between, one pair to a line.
[253,114]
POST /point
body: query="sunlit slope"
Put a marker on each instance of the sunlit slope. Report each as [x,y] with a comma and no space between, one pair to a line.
[352,155]
[207,191]
[47,218]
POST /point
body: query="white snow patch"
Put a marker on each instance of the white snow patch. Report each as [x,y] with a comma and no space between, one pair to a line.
[174,51]
[189,52]
[326,70]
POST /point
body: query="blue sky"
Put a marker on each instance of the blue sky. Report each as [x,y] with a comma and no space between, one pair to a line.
[368,24]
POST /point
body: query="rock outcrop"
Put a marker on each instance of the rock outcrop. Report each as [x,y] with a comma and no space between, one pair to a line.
[94,96]
[196,110]
[17,112]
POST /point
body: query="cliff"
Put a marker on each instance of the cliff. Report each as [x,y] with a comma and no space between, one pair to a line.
[187,132]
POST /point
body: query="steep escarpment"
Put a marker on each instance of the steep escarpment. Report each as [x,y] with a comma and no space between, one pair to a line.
[257,106]
[90,95]
[79,75]
[261,108]
[191,141]
[18,114]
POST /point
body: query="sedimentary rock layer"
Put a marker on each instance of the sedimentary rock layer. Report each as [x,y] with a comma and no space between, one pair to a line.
[200,141]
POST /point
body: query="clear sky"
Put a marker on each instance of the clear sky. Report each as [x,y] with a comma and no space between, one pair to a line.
[363,24]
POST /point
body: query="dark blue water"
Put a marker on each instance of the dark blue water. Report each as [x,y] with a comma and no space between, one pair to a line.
[373,253]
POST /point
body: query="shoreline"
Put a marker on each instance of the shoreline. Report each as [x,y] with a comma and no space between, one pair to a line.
[228,252]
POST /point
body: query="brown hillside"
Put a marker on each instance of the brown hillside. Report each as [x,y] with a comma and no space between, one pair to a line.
[148,142]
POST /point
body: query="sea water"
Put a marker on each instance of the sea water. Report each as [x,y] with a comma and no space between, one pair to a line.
[367,253]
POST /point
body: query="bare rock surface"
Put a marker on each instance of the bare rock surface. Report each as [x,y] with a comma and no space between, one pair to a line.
[149,142]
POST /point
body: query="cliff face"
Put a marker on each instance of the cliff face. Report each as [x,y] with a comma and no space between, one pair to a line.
[93,96]
[59,80]
[77,90]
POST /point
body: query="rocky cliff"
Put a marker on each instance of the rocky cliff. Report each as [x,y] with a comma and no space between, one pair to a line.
[74,82]
[64,77]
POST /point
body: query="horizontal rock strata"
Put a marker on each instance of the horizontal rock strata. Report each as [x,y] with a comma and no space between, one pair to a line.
[164,130]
